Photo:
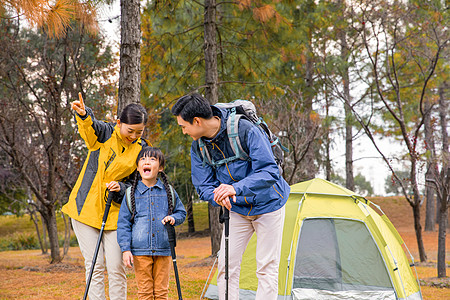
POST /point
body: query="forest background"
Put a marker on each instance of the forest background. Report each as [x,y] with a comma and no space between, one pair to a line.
[318,71]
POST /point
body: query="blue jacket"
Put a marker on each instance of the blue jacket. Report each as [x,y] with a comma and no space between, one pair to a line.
[147,235]
[259,187]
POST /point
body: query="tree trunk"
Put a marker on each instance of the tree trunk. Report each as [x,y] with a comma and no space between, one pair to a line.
[418,229]
[32,211]
[210,50]
[310,168]
[431,173]
[190,215]
[34,218]
[349,178]
[415,203]
[327,141]
[44,233]
[438,209]
[130,54]
[441,264]
[49,206]
[444,195]
[66,244]
[216,228]
[443,111]
[430,215]
[212,94]
[50,221]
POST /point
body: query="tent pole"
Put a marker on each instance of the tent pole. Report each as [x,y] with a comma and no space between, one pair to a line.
[290,250]
[207,279]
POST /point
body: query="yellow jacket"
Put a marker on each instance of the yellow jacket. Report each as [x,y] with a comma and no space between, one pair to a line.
[109,159]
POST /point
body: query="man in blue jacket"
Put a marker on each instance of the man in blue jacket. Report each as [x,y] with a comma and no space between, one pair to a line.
[253,190]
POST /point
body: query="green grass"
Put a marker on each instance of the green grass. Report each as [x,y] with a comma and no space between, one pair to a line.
[19,233]
[201,220]
[13,225]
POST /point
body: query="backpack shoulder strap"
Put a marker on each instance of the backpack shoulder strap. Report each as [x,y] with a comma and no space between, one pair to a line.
[128,198]
[204,153]
[233,137]
[172,192]
[233,134]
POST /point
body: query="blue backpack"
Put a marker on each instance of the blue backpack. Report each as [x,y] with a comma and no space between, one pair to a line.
[242,109]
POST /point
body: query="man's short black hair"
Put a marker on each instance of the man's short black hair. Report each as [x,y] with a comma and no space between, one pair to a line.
[190,106]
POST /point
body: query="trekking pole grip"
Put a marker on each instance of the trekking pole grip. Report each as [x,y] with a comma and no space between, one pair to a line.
[226,219]
[171,233]
[107,207]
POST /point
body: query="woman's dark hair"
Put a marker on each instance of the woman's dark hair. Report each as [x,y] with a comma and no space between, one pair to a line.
[156,153]
[190,106]
[134,114]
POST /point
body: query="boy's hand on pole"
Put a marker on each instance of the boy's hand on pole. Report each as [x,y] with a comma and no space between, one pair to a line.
[168,219]
[78,106]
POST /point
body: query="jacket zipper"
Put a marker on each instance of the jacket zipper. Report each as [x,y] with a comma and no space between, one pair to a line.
[229,173]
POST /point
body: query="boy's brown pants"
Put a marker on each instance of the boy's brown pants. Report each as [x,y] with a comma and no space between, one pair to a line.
[152,276]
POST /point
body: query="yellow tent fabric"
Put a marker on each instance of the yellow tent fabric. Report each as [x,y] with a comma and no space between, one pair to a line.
[386,273]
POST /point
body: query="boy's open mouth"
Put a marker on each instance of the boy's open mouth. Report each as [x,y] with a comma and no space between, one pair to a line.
[146,170]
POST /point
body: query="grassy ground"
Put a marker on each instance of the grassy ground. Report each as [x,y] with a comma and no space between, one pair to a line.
[66,280]
[28,275]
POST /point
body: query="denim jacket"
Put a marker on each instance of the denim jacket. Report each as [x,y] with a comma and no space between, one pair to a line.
[259,187]
[146,235]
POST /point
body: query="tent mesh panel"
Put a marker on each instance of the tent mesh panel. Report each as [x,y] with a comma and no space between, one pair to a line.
[338,255]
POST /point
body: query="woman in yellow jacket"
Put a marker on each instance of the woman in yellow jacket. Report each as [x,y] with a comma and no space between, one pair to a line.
[113,149]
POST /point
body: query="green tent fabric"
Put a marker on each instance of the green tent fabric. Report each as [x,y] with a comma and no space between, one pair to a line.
[335,246]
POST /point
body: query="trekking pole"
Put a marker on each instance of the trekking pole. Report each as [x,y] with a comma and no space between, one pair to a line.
[226,219]
[99,240]
[173,242]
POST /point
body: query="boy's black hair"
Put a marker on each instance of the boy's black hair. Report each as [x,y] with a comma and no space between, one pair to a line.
[134,114]
[157,153]
[190,106]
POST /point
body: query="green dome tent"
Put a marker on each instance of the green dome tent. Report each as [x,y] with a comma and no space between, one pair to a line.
[335,246]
